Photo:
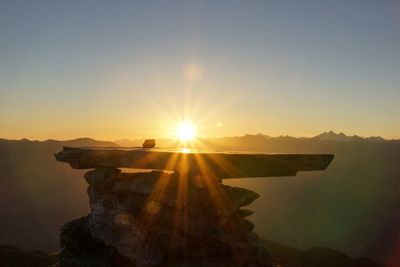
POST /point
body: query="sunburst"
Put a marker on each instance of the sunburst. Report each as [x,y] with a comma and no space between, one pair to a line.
[186,131]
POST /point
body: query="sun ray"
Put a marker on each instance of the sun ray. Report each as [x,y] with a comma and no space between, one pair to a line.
[217,194]
[158,193]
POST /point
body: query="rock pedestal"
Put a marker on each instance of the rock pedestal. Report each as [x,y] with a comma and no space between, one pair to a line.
[162,219]
[182,218]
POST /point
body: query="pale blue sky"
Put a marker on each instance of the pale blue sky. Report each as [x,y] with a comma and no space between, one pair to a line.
[119,69]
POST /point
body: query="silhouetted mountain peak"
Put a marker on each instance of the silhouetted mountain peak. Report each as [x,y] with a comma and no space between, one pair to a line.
[79,142]
[86,141]
[341,137]
[255,136]
[337,137]
[375,139]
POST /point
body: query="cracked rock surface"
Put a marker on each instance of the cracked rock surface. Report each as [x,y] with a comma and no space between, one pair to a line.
[162,219]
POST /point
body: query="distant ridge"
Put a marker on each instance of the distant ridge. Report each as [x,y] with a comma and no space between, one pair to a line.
[328,136]
[126,142]
[84,141]
[341,137]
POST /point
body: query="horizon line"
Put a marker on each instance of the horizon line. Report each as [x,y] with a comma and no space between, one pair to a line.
[210,137]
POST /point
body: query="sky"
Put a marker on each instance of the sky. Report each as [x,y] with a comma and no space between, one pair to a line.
[136,69]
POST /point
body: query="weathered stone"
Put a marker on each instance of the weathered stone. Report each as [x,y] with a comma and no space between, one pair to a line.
[149,143]
[222,165]
[102,176]
[245,212]
[184,218]
[80,249]
[247,224]
[161,219]
[240,196]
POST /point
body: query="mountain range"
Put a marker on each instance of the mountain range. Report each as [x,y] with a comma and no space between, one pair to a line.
[325,136]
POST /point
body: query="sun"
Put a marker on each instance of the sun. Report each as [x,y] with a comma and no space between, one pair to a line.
[186,131]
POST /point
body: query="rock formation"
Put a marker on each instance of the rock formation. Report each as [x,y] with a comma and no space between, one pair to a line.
[159,218]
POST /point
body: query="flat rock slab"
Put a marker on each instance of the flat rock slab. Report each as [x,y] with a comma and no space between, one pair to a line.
[223,165]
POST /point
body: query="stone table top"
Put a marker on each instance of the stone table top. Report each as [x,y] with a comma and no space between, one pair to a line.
[224,165]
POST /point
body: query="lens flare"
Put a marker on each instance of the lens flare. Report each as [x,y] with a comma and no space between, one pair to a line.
[186,131]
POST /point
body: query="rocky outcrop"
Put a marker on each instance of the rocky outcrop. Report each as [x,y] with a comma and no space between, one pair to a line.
[184,217]
[162,219]
[80,249]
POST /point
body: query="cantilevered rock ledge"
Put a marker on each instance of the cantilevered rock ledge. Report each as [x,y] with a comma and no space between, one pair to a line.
[186,217]
[224,165]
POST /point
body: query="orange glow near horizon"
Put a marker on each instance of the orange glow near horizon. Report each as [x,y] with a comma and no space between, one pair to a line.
[185,150]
